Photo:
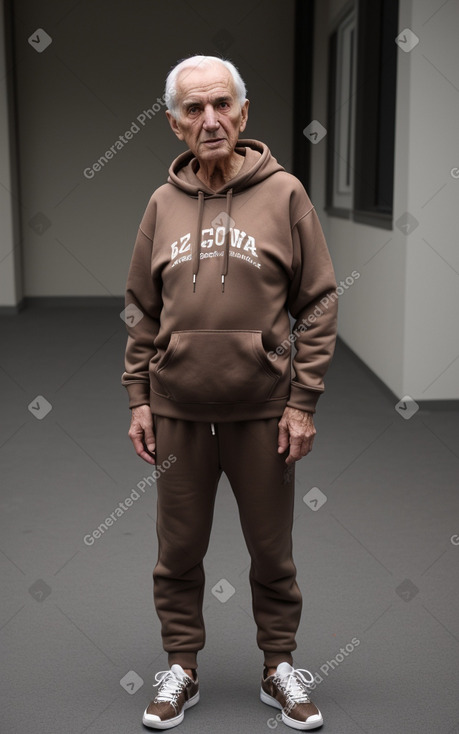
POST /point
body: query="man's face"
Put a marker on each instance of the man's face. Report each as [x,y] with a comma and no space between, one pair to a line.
[210,117]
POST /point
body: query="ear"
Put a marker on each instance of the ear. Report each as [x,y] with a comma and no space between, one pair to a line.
[174,125]
[244,115]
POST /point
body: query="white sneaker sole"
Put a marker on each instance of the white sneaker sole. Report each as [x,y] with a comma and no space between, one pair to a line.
[154,722]
[312,723]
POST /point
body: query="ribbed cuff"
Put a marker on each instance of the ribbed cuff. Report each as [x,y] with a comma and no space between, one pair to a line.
[185,659]
[139,393]
[303,398]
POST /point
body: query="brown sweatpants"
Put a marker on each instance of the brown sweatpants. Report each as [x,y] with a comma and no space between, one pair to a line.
[263,486]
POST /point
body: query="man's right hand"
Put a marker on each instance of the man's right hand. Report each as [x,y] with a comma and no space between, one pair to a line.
[141,432]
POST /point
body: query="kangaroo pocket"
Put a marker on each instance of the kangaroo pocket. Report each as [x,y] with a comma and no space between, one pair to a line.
[215,367]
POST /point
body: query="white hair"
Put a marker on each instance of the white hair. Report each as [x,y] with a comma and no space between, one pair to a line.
[193,62]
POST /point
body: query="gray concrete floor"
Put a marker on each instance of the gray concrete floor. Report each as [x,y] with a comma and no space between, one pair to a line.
[376,562]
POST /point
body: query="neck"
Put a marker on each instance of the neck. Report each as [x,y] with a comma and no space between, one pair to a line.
[216,174]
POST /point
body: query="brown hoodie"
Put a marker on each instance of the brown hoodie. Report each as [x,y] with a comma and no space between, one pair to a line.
[213,277]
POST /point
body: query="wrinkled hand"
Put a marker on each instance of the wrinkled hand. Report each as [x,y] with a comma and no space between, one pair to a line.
[296,429]
[141,432]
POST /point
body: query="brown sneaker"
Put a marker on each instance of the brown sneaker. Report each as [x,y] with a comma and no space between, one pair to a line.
[177,692]
[287,689]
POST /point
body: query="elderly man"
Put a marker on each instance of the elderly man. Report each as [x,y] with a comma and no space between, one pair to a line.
[226,249]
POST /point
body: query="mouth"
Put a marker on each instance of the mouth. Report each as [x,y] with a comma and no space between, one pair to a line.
[213,142]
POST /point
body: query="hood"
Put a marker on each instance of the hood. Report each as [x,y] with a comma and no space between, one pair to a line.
[258,165]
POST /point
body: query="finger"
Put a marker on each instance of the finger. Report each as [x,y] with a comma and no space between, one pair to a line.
[299,447]
[295,450]
[150,451]
[282,441]
[140,450]
[149,439]
[146,457]
[306,446]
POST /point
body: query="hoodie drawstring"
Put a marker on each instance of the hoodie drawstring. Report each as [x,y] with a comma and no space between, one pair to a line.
[229,199]
[197,247]
[196,254]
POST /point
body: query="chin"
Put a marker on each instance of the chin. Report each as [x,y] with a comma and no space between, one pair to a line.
[223,151]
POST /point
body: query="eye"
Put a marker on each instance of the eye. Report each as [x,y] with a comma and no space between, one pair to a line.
[224,105]
[192,109]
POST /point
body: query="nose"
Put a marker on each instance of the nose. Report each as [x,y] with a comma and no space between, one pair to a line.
[210,119]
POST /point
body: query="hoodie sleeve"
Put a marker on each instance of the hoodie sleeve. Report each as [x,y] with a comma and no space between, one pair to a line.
[143,307]
[313,303]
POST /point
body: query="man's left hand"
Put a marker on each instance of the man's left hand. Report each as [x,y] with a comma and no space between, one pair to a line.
[297,431]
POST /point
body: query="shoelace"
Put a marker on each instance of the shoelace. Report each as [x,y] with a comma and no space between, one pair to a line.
[170,686]
[295,686]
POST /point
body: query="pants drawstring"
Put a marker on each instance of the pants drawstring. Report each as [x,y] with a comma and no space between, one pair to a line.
[212,429]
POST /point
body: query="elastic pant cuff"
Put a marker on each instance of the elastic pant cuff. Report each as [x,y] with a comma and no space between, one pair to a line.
[185,659]
[273,659]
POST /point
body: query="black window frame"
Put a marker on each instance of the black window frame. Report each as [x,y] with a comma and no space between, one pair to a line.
[374,150]
[303,80]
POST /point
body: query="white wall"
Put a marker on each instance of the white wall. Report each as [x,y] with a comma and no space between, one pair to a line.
[400,317]
[10,263]
[432,254]
[107,62]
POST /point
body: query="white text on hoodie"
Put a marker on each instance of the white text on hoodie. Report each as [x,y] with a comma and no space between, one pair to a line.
[215,237]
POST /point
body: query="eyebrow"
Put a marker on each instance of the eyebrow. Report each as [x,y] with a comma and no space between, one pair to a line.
[222,98]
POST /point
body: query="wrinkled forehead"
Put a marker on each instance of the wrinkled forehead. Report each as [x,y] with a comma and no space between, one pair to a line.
[205,81]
